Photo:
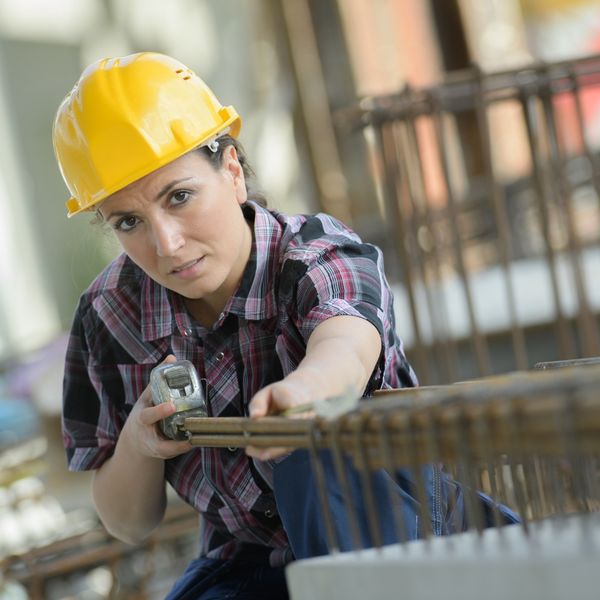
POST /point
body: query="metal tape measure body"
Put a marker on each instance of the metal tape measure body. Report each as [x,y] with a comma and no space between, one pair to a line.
[178,382]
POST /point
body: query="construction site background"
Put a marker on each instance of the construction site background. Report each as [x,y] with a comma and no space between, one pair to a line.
[459,135]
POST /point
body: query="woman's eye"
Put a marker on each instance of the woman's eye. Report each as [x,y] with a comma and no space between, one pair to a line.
[180,197]
[126,224]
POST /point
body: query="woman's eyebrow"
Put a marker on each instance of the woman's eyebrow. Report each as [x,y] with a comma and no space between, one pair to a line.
[165,190]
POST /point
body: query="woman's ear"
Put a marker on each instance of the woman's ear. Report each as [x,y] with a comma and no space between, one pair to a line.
[232,168]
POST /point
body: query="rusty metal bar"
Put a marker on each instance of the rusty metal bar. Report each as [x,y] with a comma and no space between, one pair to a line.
[415,464]
[372,520]
[483,433]
[502,224]
[395,498]
[593,160]
[466,464]
[564,335]
[460,89]
[436,307]
[410,247]
[574,362]
[314,102]
[83,551]
[563,197]
[319,475]
[341,473]
[479,344]
[399,234]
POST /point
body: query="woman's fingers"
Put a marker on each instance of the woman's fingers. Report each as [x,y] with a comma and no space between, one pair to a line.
[259,405]
[272,400]
[277,398]
[166,448]
[144,431]
[152,414]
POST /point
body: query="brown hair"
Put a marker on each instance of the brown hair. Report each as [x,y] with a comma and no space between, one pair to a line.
[215,158]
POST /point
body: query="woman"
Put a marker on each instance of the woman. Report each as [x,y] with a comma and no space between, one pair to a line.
[274,311]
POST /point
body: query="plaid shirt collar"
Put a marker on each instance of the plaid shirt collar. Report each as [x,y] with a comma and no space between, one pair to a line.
[254,299]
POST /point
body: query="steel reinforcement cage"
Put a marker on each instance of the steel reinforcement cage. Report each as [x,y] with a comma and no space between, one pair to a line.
[489,188]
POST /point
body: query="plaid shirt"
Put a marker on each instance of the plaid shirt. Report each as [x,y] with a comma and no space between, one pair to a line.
[302,270]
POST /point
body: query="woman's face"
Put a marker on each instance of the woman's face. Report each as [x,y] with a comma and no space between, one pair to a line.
[183,225]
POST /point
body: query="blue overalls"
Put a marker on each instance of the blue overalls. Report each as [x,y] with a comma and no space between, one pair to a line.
[301,512]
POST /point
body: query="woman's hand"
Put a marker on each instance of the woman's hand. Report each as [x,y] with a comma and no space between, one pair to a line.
[132,512]
[341,353]
[295,390]
[142,430]
[276,398]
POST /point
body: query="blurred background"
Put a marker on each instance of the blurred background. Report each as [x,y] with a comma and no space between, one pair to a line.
[459,135]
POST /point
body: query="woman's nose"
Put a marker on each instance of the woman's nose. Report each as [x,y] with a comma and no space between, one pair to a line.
[168,237]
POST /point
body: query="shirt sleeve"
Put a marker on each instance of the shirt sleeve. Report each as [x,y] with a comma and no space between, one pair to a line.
[90,425]
[348,279]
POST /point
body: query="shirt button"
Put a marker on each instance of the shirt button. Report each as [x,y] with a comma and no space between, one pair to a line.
[220,356]
[232,449]
[269,513]
[187,332]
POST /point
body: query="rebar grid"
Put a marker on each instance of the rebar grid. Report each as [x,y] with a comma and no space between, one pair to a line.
[530,399]
[462,216]
[529,439]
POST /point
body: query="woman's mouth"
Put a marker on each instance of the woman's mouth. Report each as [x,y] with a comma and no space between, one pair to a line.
[189,269]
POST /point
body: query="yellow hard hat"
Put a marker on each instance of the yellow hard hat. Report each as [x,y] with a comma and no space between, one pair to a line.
[128,116]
